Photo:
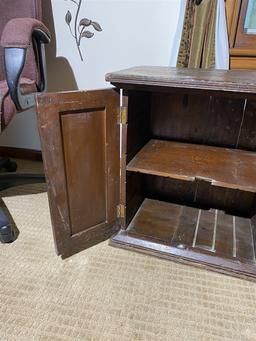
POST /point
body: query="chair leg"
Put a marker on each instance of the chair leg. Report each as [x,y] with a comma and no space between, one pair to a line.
[7,234]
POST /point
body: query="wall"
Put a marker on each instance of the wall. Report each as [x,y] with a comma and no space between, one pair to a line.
[135,32]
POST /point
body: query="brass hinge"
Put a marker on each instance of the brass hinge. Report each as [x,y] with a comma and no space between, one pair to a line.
[120,211]
[123,115]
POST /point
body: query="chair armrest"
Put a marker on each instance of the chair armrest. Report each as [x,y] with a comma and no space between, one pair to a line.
[19,32]
[18,35]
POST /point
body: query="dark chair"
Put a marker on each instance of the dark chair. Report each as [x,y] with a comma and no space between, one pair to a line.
[22,74]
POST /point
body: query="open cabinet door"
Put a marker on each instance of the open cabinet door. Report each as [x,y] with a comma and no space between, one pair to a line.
[80,146]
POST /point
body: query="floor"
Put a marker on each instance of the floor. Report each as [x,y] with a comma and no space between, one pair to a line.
[106,293]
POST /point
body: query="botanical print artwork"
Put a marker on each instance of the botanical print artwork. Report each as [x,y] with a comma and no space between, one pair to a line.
[80,27]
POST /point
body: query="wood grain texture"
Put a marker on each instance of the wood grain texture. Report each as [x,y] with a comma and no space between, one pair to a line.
[229,168]
[236,52]
[86,179]
[180,117]
[80,144]
[233,8]
[247,135]
[134,194]
[152,223]
[213,80]
[224,234]
[187,234]
[198,193]
[242,63]
[138,132]
[231,14]
[206,226]
[197,118]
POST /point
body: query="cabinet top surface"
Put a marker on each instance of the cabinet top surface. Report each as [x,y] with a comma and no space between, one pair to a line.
[217,80]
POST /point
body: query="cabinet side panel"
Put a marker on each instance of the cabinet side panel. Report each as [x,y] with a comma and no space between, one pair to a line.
[85,163]
[138,133]
[253,227]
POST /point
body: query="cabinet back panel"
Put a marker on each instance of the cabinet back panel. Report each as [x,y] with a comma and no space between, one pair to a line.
[247,138]
[199,194]
[204,119]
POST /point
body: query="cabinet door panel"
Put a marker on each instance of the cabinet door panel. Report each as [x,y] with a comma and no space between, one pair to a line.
[80,145]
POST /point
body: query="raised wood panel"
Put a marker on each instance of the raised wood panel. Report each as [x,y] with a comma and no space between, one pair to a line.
[85,156]
[80,144]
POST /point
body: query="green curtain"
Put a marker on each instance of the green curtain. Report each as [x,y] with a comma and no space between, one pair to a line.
[197,46]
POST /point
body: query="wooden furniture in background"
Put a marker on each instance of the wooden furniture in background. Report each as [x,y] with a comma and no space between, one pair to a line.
[168,166]
[242,45]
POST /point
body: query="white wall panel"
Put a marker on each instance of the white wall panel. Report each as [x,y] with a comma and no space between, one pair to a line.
[135,32]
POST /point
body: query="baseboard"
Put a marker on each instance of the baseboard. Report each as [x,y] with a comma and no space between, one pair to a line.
[21,153]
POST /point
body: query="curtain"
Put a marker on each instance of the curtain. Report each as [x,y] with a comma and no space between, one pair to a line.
[197,46]
[178,32]
[221,39]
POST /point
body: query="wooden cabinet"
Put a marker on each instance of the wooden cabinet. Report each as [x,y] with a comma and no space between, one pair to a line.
[241,18]
[164,163]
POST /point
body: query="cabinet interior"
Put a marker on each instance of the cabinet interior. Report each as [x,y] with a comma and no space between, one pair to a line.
[190,179]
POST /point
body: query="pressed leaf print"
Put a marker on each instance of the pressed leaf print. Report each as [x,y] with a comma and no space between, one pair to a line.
[82,28]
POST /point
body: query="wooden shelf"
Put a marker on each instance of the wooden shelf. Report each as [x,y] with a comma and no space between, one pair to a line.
[223,167]
[208,238]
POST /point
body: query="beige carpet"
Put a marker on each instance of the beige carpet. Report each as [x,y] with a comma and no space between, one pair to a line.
[110,294]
